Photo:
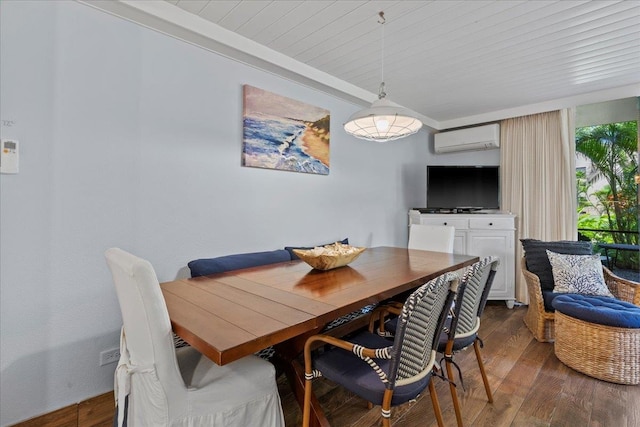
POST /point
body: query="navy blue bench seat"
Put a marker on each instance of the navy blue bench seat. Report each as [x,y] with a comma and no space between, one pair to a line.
[222,264]
[207,266]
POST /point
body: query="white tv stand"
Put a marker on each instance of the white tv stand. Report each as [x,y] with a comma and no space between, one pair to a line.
[482,234]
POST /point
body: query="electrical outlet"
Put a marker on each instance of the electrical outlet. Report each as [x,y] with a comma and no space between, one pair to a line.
[109,356]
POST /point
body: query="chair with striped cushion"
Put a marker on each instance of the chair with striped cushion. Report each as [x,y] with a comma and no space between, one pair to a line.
[381,373]
[462,328]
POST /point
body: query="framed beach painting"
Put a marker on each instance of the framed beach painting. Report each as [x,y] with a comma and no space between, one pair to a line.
[285,134]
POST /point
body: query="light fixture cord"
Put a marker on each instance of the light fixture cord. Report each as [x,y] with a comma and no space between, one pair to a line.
[381,92]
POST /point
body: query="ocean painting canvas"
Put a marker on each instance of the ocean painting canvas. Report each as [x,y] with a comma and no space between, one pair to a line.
[285,134]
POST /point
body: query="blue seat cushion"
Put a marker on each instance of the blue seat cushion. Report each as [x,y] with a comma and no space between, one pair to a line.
[548,297]
[207,266]
[598,309]
[354,374]
[294,256]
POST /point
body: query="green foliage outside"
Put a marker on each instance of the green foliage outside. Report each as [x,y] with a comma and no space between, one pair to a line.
[612,149]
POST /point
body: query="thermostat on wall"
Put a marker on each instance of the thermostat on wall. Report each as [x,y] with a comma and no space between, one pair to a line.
[9,156]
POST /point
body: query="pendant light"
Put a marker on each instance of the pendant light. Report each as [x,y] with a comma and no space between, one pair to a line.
[384,120]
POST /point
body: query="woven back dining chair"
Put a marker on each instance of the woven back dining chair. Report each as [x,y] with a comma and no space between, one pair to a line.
[384,374]
[462,329]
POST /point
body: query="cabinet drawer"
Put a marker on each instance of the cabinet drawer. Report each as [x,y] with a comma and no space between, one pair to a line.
[458,223]
[491,223]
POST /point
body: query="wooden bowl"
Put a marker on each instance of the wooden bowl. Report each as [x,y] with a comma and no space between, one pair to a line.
[327,261]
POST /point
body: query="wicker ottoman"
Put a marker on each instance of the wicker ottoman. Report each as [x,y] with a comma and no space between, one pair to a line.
[599,337]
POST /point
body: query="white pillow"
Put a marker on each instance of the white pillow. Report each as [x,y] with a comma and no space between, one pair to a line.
[578,274]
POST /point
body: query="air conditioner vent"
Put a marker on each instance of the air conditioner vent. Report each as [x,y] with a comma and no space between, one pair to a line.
[476,138]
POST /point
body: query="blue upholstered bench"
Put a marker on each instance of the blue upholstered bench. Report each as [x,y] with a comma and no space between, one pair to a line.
[598,336]
[207,266]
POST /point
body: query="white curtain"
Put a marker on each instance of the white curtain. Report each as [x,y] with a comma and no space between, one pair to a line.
[538,179]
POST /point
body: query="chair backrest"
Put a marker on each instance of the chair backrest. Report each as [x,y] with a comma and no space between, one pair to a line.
[437,238]
[147,329]
[472,296]
[419,326]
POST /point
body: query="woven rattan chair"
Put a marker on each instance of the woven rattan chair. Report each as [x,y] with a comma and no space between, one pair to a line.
[541,322]
[605,352]
[382,374]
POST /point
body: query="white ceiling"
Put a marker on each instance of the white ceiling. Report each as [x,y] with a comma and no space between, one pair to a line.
[454,62]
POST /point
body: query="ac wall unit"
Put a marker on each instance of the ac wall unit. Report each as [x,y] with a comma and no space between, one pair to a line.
[475,138]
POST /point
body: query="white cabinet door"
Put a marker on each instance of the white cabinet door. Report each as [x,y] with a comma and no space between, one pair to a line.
[482,235]
[498,243]
[460,243]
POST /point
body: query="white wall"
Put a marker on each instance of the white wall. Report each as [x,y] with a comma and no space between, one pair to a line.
[131,138]
[620,110]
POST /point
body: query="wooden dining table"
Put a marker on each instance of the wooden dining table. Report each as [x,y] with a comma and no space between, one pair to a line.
[230,315]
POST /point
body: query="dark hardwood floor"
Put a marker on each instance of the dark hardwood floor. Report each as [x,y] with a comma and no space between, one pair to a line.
[531,387]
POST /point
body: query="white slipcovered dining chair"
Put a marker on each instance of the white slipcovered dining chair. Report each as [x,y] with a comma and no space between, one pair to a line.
[164,386]
[438,238]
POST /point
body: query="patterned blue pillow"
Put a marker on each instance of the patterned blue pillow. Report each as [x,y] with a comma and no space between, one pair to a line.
[578,274]
[538,261]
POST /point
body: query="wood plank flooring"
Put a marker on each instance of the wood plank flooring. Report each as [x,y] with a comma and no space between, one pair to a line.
[531,387]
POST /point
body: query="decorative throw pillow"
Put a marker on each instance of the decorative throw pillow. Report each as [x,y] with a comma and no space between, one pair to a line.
[538,262]
[578,274]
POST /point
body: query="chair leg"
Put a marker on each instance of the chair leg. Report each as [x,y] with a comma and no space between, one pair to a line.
[454,393]
[435,403]
[386,408]
[306,409]
[487,388]
[308,384]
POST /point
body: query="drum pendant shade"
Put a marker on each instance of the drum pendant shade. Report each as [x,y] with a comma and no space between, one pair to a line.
[384,120]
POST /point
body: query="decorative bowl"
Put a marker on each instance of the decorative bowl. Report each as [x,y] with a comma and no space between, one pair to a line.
[330,256]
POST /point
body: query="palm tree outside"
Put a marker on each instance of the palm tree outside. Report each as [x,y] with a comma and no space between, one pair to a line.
[608,193]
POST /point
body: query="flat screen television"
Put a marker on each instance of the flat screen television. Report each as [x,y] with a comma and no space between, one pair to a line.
[463,187]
